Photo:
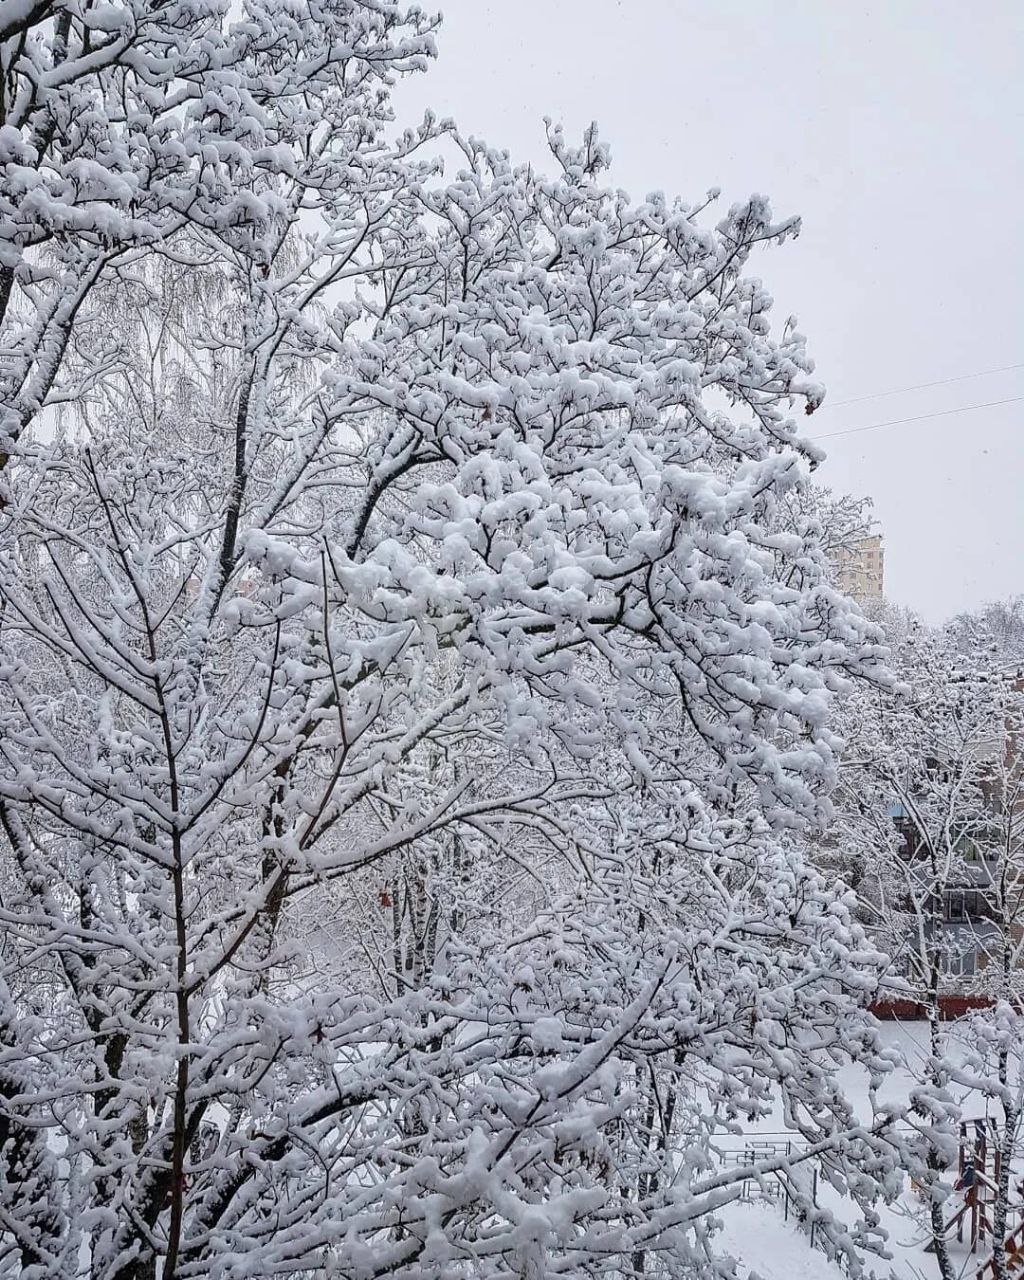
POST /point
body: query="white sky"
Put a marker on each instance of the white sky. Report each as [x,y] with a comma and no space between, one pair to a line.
[895,130]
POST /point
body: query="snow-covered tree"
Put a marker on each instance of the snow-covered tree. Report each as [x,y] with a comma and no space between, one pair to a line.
[125,123]
[929,825]
[834,522]
[998,626]
[396,537]
[34,1237]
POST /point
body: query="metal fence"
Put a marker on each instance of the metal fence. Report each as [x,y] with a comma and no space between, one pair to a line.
[776,1188]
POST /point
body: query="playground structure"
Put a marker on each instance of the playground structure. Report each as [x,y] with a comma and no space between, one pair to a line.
[978,1173]
[977,1179]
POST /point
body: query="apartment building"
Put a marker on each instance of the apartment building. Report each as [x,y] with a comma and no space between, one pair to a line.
[961,903]
[860,569]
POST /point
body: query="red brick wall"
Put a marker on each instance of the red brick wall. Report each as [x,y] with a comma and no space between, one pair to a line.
[908,1011]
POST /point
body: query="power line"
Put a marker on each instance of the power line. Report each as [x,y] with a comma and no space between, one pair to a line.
[918,417]
[920,386]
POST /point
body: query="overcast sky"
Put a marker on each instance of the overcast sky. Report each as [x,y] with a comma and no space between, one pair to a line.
[895,130]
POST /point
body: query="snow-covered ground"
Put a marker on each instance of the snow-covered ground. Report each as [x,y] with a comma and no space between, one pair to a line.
[766,1247]
[770,1249]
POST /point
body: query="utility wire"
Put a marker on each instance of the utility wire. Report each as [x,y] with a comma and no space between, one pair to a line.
[919,417]
[920,386]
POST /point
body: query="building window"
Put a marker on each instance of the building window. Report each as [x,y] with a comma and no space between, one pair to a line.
[963,904]
[960,964]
